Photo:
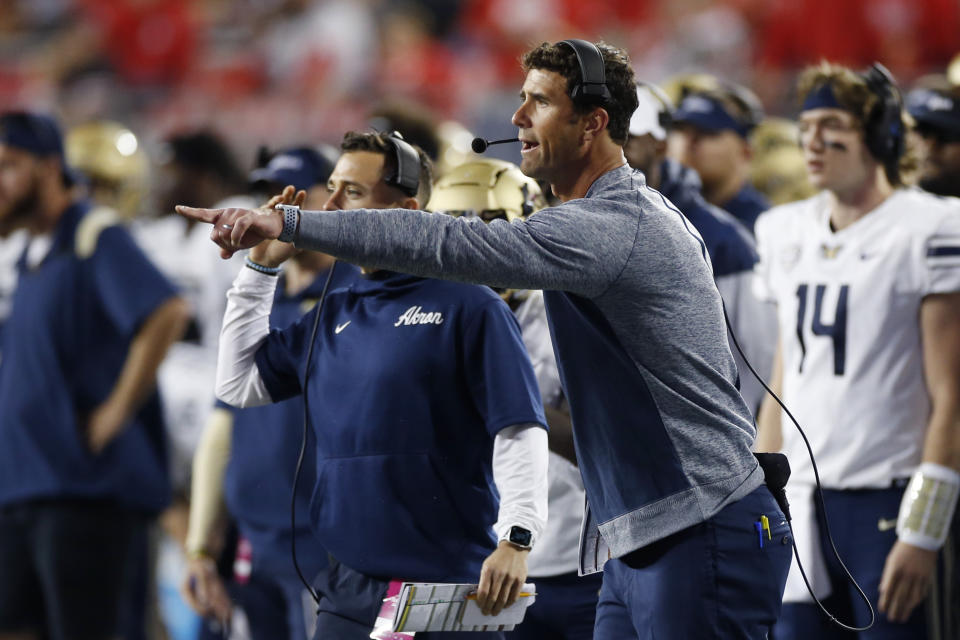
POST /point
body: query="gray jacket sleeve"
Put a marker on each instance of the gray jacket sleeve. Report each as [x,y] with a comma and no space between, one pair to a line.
[576,247]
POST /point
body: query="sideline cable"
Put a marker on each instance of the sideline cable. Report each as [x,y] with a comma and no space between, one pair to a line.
[819,494]
[303,442]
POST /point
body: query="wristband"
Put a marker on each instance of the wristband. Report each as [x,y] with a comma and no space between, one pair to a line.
[270,271]
[291,220]
[199,554]
[926,509]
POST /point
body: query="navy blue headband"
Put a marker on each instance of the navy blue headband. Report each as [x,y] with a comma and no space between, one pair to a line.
[821,97]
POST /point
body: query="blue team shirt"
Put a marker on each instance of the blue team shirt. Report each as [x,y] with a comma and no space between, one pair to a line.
[64,345]
[410,381]
[746,206]
[729,243]
[264,449]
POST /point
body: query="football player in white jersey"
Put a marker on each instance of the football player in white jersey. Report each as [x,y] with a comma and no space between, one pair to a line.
[565,609]
[865,276]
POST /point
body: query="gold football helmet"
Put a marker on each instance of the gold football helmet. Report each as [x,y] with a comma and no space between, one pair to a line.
[110,157]
[488,189]
[953,70]
[777,169]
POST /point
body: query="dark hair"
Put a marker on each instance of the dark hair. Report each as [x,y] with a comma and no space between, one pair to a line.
[619,76]
[205,152]
[380,143]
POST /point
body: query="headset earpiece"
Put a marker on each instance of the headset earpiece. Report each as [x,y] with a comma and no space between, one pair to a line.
[592,88]
[884,126]
[406,176]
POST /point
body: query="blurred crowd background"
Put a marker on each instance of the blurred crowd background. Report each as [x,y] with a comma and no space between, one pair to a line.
[284,71]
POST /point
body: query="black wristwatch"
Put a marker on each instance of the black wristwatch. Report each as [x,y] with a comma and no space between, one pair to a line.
[520,537]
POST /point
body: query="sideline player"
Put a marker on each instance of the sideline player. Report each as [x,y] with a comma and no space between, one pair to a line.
[866,278]
[82,451]
[663,436]
[245,458]
[730,245]
[936,111]
[566,603]
[422,396]
[711,135]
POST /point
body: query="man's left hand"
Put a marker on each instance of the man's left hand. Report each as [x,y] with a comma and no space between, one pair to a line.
[501,578]
[906,580]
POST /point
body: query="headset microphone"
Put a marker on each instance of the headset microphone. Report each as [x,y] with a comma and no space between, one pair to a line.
[479,145]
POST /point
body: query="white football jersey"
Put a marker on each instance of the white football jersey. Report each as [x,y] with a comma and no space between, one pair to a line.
[848,306]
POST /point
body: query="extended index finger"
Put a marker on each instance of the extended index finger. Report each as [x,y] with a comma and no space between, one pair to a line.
[202,215]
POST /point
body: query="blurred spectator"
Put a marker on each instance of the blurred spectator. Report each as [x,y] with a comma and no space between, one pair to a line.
[412,64]
[146,43]
[905,35]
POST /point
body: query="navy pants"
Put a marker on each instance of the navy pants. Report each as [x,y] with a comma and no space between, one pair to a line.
[712,580]
[68,567]
[565,609]
[274,607]
[854,516]
[350,602]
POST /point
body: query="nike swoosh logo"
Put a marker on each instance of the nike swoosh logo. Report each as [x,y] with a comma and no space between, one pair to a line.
[886,525]
[341,327]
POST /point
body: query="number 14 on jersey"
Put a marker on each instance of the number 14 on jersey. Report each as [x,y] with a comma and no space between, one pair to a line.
[835,329]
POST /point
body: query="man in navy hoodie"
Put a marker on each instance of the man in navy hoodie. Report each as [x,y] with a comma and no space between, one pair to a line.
[431,447]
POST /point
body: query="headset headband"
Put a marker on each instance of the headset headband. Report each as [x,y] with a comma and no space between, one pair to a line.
[884,128]
[593,83]
[406,176]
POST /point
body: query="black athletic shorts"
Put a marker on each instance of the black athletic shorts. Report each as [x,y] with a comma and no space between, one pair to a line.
[65,567]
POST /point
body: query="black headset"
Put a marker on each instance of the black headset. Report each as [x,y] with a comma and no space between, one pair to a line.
[883,128]
[592,88]
[406,176]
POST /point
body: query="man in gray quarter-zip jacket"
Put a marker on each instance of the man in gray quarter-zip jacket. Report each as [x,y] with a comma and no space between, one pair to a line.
[662,434]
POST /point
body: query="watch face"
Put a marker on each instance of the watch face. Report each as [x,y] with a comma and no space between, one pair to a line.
[520,536]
